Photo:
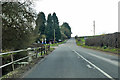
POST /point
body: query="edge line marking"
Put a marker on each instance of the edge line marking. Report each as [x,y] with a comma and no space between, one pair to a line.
[107,75]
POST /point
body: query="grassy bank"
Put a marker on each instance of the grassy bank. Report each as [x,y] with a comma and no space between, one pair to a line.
[56,44]
[51,49]
[81,42]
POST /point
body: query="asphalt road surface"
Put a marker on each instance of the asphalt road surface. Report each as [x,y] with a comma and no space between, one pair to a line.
[71,61]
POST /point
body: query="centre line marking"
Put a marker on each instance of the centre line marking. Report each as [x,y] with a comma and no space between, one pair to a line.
[107,75]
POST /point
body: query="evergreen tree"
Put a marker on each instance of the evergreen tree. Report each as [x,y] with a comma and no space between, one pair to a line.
[53,25]
[40,23]
[56,27]
[66,29]
[49,28]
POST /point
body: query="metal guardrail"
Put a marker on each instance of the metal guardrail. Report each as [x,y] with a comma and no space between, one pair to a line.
[36,51]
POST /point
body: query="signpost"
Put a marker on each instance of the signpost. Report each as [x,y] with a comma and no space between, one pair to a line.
[42,40]
[45,40]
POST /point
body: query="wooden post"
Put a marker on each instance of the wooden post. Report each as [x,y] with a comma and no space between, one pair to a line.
[30,52]
[41,50]
[49,48]
[13,66]
[37,51]
[44,49]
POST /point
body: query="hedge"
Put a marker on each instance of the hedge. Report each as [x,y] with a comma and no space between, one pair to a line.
[108,40]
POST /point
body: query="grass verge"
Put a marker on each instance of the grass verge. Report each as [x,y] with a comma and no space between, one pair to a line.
[81,42]
[56,44]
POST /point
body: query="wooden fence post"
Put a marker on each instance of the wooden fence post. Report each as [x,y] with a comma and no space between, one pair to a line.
[37,51]
[13,66]
[44,49]
[30,52]
[41,50]
[49,47]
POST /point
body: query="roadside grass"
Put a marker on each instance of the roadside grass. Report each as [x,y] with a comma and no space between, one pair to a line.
[56,44]
[81,42]
[41,54]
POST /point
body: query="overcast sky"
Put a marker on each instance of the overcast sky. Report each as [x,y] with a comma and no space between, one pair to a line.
[80,14]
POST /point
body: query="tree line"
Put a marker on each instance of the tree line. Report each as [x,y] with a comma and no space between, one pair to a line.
[48,28]
[18,30]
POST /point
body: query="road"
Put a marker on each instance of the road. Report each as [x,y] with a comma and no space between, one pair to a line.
[71,61]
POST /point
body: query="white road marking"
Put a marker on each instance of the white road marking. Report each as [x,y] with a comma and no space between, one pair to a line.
[113,62]
[89,66]
[107,75]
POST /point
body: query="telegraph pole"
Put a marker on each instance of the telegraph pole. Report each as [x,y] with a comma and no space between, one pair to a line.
[54,35]
[94,27]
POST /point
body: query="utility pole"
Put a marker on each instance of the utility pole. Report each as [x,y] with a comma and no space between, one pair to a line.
[54,35]
[94,27]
